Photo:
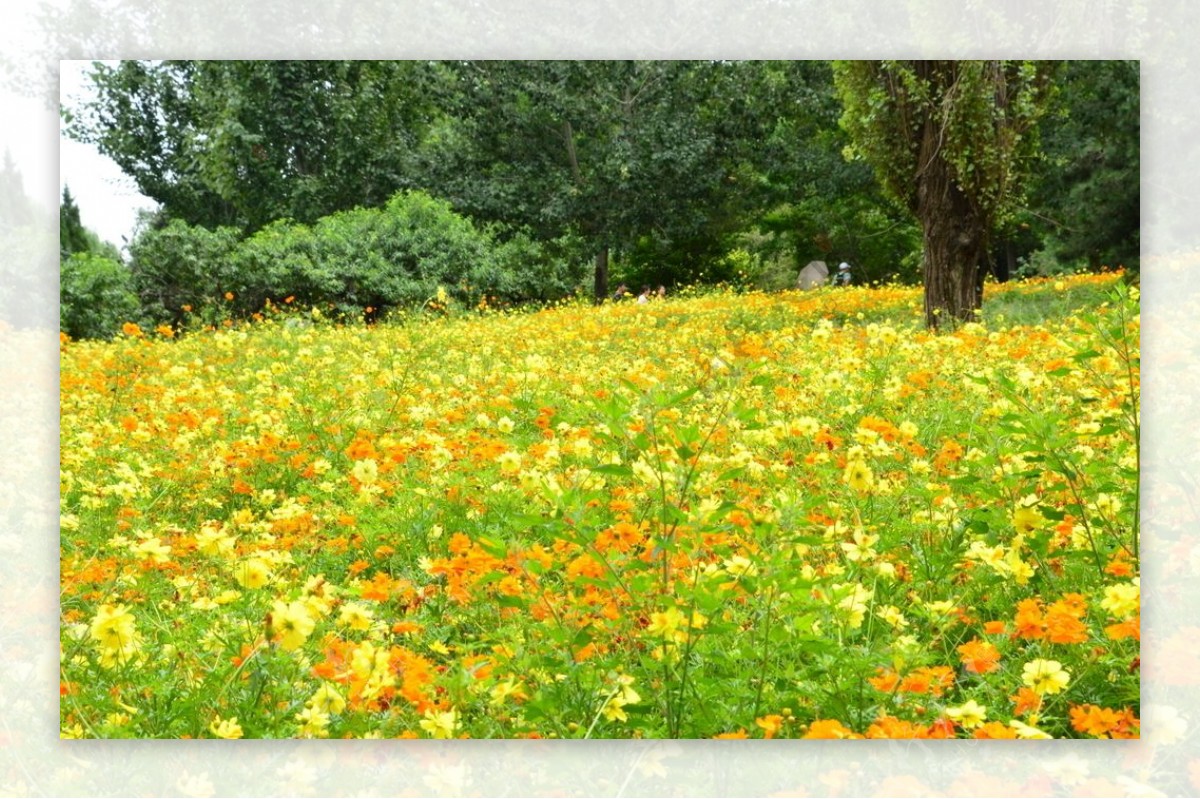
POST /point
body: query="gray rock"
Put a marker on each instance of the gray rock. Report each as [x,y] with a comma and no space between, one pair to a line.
[813,275]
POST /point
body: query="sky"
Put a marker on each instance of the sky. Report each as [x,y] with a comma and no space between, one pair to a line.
[108,200]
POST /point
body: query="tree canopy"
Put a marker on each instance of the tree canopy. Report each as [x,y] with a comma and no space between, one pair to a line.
[665,172]
[953,142]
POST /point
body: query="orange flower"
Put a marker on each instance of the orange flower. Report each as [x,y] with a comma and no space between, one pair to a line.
[829,728]
[886,681]
[770,724]
[1104,723]
[1029,621]
[740,734]
[404,627]
[994,729]
[932,680]
[979,657]
[1130,628]
[892,727]
[1026,700]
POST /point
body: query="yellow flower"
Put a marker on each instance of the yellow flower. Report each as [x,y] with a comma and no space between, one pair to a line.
[1026,518]
[1123,600]
[860,547]
[859,476]
[440,723]
[356,616]
[114,631]
[152,549]
[366,471]
[1045,676]
[666,624]
[854,602]
[252,573]
[292,623]
[1027,732]
[328,699]
[740,566]
[212,540]
[314,722]
[226,728]
[614,708]
[970,714]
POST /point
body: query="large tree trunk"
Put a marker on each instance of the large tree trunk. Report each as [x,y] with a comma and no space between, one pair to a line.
[955,241]
[601,275]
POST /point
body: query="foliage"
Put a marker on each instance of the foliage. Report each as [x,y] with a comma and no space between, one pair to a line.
[952,142]
[655,170]
[1090,189]
[720,515]
[244,143]
[180,265]
[366,260]
[96,296]
[654,160]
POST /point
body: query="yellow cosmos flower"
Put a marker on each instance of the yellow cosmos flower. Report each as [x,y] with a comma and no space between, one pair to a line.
[1045,676]
[1123,600]
[440,723]
[969,715]
[314,722]
[666,624]
[614,708]
[226,728]
[1028,732]
[252,573]
[1026,518]
[356,616]
[366,471]
[328,699]
[292,623]
[858,475]
[115,632]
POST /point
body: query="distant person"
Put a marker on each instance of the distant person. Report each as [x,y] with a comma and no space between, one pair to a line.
[644,297]
[843,274]
[621,293]
[662,292]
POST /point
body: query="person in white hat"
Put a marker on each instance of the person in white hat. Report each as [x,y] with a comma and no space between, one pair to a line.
[843,274]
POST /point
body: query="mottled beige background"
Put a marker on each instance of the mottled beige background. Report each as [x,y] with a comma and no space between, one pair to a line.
[1161,33]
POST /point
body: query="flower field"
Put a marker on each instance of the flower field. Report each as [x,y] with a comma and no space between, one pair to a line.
[724,515]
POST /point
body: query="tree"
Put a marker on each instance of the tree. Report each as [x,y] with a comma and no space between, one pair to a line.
[1090,190]
[953,142]
[72,237]
[243,143]
[639,156]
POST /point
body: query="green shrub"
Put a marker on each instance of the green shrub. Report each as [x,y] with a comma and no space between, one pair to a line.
[538,271]
[178,265]
[95,296]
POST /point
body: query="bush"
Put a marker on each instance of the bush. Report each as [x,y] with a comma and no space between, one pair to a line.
[538,271]
[379,258]
[95,296]
[178,265]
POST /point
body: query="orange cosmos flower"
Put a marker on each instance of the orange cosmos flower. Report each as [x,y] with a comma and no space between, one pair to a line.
[771,725]
[1026,700]
[979,657]
[994,730]
[829,728]
[1029,621]
[1105,723]
[740,734]
[892,727]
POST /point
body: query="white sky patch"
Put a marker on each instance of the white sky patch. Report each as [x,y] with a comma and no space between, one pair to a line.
[108,199]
